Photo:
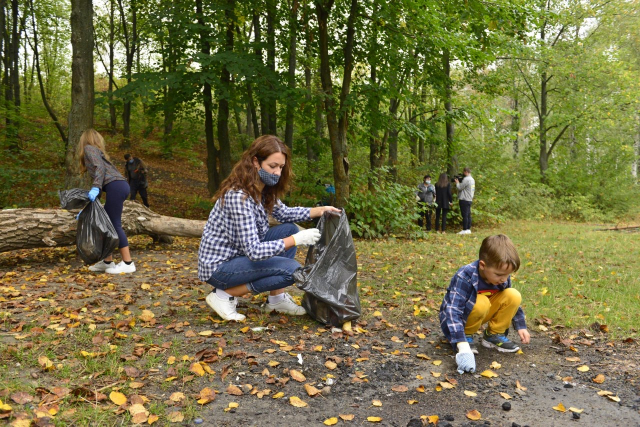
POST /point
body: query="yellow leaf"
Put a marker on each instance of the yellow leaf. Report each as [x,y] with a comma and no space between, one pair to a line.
[572,359]
[175,417]
[234,390]
[433,419]
[317,348]
[5,407]
[604,393]
[422,356]
[560,408]
[135,384]
[376,403]
[576,410]
[374,419]
[273,363]
[489,374]
[520,386]
[346,326]
[45,363]
[138,408]
[446,385]
[146,315]
[420,389]
[412,402]
[176,396]
[436,374]
[311,390]
[206,333]
[614,398]
[118,398]
[495,365]
[330,365]
[505,396]
[245,330]
[377,314]
[437,362]
[470,393]
[278,395]
[170,379]
[599,379]
[295,401]
[330,421]
[206,395]
[474,415]
[197,369]
[583,368]
[297,375]
[346,417]
[152,419]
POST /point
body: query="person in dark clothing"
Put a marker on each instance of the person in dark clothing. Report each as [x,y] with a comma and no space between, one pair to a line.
[443,200]
[427,198]
[136,172]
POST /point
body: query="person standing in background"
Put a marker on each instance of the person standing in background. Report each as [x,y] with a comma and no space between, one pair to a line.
[443,201]
[136,172]
[466,190]
[427,195]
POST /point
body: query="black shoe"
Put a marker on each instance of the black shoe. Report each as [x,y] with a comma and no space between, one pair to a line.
[499,341]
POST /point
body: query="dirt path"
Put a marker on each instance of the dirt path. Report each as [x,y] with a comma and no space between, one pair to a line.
[52,301]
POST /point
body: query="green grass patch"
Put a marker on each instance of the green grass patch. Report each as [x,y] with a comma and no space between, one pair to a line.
[571,273]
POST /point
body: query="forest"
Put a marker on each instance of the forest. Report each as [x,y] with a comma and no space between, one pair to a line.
[538,98]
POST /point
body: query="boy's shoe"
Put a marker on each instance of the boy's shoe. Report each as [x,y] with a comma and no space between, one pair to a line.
[100,267]
[286,306]
[121,267]
[499,341]
[225,309]
[472,344]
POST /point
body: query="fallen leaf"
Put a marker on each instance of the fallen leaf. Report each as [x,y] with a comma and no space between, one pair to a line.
[433,419]
[604,393]
[206,333]
[176,396]
[560,408]
[505,396]
[447,385]
[273,363]
[599,379]
[197,369]
[4,407]
[489,374]
[118,398]
[374,419]
[437,362]
[21,397]
[376,403]
[175,417]
[278,395]
[311,390]
[436,374]
[139,418]
[152,419]
[138,408]
[572,359]
[330,421]
[576,410]
[423,356]
[347,417]
[420,389]
[135,384]
[330,365]
[614,398]
[583,368]
[400,388]
[171,360]
[297,375]
[470,393]
[146,315]
[295,401]
[234,390]
[474,415]
[495,365]
[206,395]
[412,402]
[233,405]
[45,363]
[520,386]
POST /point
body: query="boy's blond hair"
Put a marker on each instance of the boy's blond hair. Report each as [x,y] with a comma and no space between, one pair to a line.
[499,250]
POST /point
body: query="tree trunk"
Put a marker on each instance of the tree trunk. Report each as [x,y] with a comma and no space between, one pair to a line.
[81,114]
[271,64]
[213,180]
[112,106]
[264,110]
[130,45]
[452,162]
[544,158]
[38,228]
[251,110]
[413,139]
[225,94]
[377,147]
[337,126]
[293,28]
[515,127]
[36,56]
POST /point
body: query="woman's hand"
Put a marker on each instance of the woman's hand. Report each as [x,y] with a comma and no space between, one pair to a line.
[319,210]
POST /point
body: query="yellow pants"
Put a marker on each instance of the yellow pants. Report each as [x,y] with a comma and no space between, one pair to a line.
[497,309]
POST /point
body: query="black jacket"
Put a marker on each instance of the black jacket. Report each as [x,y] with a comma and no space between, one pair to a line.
[136,171]
[443,196]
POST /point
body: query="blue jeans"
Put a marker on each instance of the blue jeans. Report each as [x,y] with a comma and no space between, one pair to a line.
[260,276]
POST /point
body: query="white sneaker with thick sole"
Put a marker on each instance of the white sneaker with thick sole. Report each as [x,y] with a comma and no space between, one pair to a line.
[467,231]
[99,267]
[224,309]
[286,306]
[462,232]
[121,267]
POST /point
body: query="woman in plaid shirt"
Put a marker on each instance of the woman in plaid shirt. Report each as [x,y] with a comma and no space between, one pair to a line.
[239,253]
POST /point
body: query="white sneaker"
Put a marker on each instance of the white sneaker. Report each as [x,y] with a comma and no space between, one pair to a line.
[121,267]
[99,267]
[467,231]
[462,232]
[286,306]
[225,309]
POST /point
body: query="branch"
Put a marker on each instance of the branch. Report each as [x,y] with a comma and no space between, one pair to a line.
[533,94]
[555,141]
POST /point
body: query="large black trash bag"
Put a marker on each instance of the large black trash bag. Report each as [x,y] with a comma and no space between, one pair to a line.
[96,238]
[330,275]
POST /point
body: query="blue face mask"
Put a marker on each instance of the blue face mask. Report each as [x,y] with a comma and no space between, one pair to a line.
[269,179]
[130,161]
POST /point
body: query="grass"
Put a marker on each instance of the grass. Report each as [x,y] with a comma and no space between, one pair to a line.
[570,273]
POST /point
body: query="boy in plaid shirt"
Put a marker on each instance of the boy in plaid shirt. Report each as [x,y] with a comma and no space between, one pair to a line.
[480,293]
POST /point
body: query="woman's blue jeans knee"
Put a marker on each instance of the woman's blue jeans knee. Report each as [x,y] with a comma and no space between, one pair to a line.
[260,276]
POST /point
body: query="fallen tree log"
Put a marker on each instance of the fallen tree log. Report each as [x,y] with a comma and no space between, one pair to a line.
[37,228]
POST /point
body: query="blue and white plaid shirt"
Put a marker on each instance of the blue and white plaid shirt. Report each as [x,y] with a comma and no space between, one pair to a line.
[238,228]
[459,301]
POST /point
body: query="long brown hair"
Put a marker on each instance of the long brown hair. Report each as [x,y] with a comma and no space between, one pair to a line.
[89,137]
[443,180]
[244,175]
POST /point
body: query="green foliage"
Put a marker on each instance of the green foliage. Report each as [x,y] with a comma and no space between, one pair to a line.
[390,209]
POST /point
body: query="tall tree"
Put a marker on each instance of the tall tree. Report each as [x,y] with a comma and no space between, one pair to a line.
[82,92]
[291,75]
[130,34]
[224,94]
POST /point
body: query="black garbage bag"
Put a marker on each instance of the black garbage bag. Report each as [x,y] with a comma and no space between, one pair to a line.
[329,277]
[96,238]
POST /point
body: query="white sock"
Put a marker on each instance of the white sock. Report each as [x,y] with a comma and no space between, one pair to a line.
[223,295]
[274,299]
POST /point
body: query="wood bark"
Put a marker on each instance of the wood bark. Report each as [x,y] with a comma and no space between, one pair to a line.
[39,228]
[293,28]
[225,95]
[82,92]
[452,161]
[130,45]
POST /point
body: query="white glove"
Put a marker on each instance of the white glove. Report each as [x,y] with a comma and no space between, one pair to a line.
[465,359]
[417,198]
[307,237]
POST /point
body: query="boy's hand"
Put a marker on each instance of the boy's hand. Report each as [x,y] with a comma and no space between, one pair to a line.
[524,336]
[465,359]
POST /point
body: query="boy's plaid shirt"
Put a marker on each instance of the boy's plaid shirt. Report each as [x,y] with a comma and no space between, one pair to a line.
[238,227]
[459,301]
